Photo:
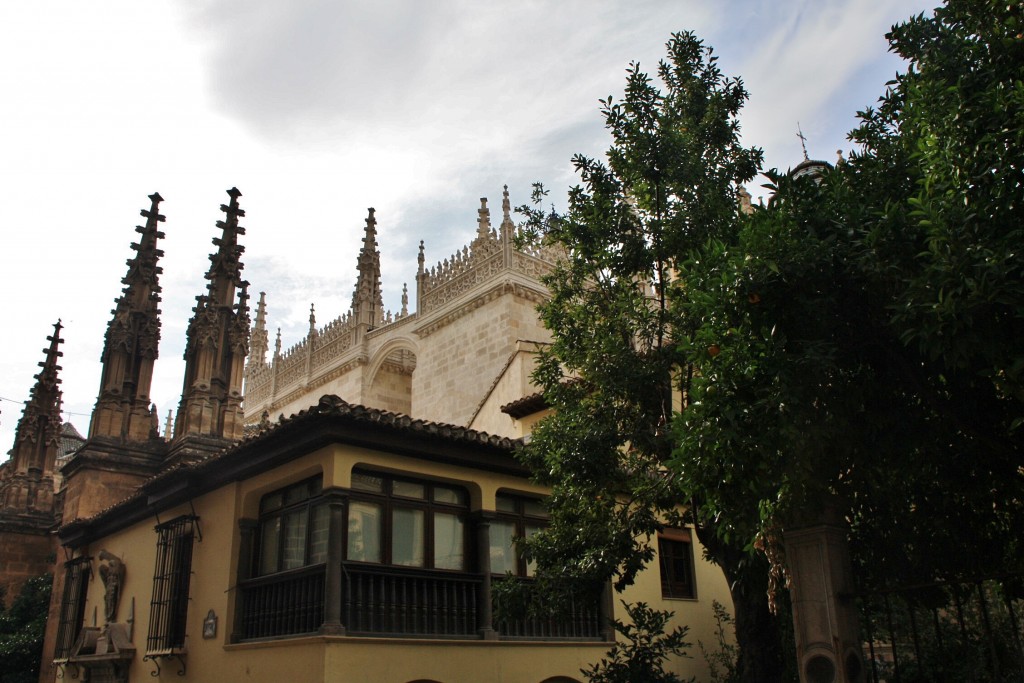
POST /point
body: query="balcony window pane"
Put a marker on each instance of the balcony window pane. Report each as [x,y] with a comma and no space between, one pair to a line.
[318,535]
[407,537]
[364,531]
[443,494]
[294,539]
[503,553]
[367,482]
[408,489]
[271,502]
[534,508]
[531,566]
[448,535]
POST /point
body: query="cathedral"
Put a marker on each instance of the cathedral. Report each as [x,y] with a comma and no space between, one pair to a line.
[339,509]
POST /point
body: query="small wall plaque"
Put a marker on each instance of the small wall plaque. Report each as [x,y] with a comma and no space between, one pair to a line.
[210,625]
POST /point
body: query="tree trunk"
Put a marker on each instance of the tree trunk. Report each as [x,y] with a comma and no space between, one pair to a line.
[758,631]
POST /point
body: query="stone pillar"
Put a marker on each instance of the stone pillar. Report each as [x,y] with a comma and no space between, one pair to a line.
[825,618]
[333,575]
[485,616]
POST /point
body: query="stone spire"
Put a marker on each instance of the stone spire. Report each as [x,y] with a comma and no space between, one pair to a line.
[367,301]
[312,321]
[507,226]
[130,348]
[277,345]
[483,221]
[421,275]
[405,299]
[506,209]
[27,485]
[216,345]
[37,436]
[259,339]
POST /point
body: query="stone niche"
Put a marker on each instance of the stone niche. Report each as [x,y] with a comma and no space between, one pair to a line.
[106,654]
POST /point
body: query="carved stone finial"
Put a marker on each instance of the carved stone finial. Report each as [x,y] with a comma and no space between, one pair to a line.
[277,344]
[483,229]
[367,300]
[312,320]
[405,299]
[261,312]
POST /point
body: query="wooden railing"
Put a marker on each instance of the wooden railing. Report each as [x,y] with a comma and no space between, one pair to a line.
[399,601]
[283,604]
[379,600]
[574,612]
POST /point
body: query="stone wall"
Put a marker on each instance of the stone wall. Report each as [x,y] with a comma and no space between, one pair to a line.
[23,555]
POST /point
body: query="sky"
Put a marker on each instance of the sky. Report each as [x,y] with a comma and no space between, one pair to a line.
[318,109]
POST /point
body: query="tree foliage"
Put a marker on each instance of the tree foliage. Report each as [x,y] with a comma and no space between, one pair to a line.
[22,627]
[867,321]
[669,185]
[851,350]
[641,655]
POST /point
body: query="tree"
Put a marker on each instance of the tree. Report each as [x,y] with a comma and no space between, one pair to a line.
[852,346]
[867,325]
[21,631]
[670,185]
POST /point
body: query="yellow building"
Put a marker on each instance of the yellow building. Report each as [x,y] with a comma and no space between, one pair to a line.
[341,539]
[343,544]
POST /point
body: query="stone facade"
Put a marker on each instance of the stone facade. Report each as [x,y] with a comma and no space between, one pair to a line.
[438,362]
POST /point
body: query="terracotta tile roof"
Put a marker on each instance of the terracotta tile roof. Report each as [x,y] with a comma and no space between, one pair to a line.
[372,425]
[527,405]
[70,440]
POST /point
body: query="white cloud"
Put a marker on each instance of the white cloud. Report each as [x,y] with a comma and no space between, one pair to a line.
[318,109]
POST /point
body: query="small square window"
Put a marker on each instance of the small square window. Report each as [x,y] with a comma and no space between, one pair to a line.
[675,558]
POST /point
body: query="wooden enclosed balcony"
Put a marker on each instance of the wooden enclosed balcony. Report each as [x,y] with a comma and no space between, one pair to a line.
[405,602]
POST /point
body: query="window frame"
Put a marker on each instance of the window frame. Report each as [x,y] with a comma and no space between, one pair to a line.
[308,505]
[672,588]
[172,578]
[388,502]
[522,519]
[71,618]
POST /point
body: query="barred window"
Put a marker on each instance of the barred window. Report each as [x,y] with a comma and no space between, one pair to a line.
[171,577]
[72,605]
[675,559]
[293,528]
[406,522]
[517,517]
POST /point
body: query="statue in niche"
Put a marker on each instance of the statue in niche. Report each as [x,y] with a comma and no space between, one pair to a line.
[112,574]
